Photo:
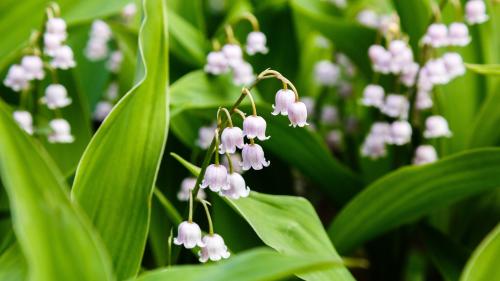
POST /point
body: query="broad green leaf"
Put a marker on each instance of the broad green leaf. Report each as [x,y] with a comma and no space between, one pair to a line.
[411,192]
[255,265]
[54,234]
[192,11]
[485,131]
[116,175]
[13,265]
[483,264]
[486,69]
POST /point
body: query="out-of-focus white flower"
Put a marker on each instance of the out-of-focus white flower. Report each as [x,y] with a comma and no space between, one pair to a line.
[253,157]
[409,74]
[400,133]
[96,49]
[326,73]
[334,139]
[396,106]
[51,43]
[237,187]
[388,23]
[187,185]
[341,4]
[436,35]
[436,71]
[454,64]
[56,27]
[255,127]
[189,235]
[56,96]
[381,130]
[475,12]
[297,114]
[425,154]
[458,34]
[60,131]
[214,248]
[216,63]
[205,136]
[231,138]
[33,67]
[100,30]
[373,147]
[215,178]
[115,61]
[423,100]
[112,91]
[329,114]
[424,83]
[235,162]
[102,109]
[345,89]
[129,11]
[346,64]
[24,120]
[310,104]
[283,98]
[322,42]
[436,126]
[17,78]
[233,53]
[373,95]
[243,73]
[401,55]
[368,18]
[256,43]
[381,59]
[63,58]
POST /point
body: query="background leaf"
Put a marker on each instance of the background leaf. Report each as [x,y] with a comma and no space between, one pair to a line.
[13,265]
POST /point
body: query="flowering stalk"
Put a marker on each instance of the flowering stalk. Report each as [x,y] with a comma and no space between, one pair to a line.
[209,218]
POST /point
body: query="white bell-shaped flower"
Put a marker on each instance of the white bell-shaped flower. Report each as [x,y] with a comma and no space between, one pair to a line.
[409,74]
[458,34]
[400,133]
[310,104]
[253,157]
[475,12]
[396,106]
[56,96]
[436,126]
[329,115]
[437,72]
[231,138]
[33,67]
[214,249]
[237,187]
[255,127]
[215,178]
[368,18]
[115,61]
[436,35]
[334,139]
[102,109]
[243,73]
[112,91]
[297,114]
[424,82]
[256,43]
[283,98]
[129,11]
[454,64]
[24,120]
[326,73]
[60,131]
[100,30]
[17,78]
[63,58]
[401,55]
[235,162]
[189,235]
[187,185]
[381,59]
[96,49]
[57,27]
[381,130]
[373,95]
[233,54]
[423,100]
[205,136]
[216,63]
[51,43]
[373,147]
[425,154]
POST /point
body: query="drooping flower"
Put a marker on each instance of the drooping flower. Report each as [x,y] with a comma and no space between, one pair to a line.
[396,106]
[237,187]
[56,27]
[187,185]
[368,18]
[235,162]
[63,58]
[33,67]
[253,157]
[100,30]
[243,73]
[256,43]
[436,35]
[215,178]
[401,56]
[381,59]
[231,138]
[283,98]
[329,115]
[454,64]
[60,131]
[425,154]
[423,100]
[310,104]
[115,61]
[373,95]
[205,136]
[373,147]
[129,11]
[436,71]
[189,235]
[51,43]
[96,49]
[381,130]
[458,34]
[233,54]
[216,63]
[102,109]
[297,114]
[24,120]
[475,12]
[334,139]
[17,78]
[326,73]
[56,96]
[112,91]
[255,127]
[436,126]
[214,248]
[409,74]
[400,132]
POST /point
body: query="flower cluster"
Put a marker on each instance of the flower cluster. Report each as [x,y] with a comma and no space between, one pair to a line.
[33,67]
[225,138]
[230,56]
[385,24]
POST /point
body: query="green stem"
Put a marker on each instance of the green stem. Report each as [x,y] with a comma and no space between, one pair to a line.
[216,146]
[230,163]
[247,92]
[190,217]
[228,115]
[209,218]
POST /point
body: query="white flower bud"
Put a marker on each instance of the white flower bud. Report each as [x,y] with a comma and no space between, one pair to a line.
[102,109]
[458,34]
[115,61]
[243,73]
[373,147]
[51,42]
[100,30]
[326,73]
[214,248]
[256,43]
[423,100]
[129,11]
[297,114]
[368,18]
[56,96]
[253,157]
[112,91]
[475,12]
[454,64]
[63,58]
[237,187]
[189,235]
[17,78]
[373,95]
[436,72]
[187,186]
[396,106]
[57,27]
[283,99]
[215,178]
[436,35]
[205,136]
[24,120]
[233,53]
[60,131]
[255,127]
[231,138]
[436,126]
[216,63]
[96,49]
[400,133]
[425,154]
[33,67]
[409,74]
[329,115]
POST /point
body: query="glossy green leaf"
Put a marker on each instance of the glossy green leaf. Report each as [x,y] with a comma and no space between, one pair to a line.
[254,265]
[54,234]
[483,264]
[485,131]
[116,175]
[486,69]
[13,265]
[411,192]
[187,42]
